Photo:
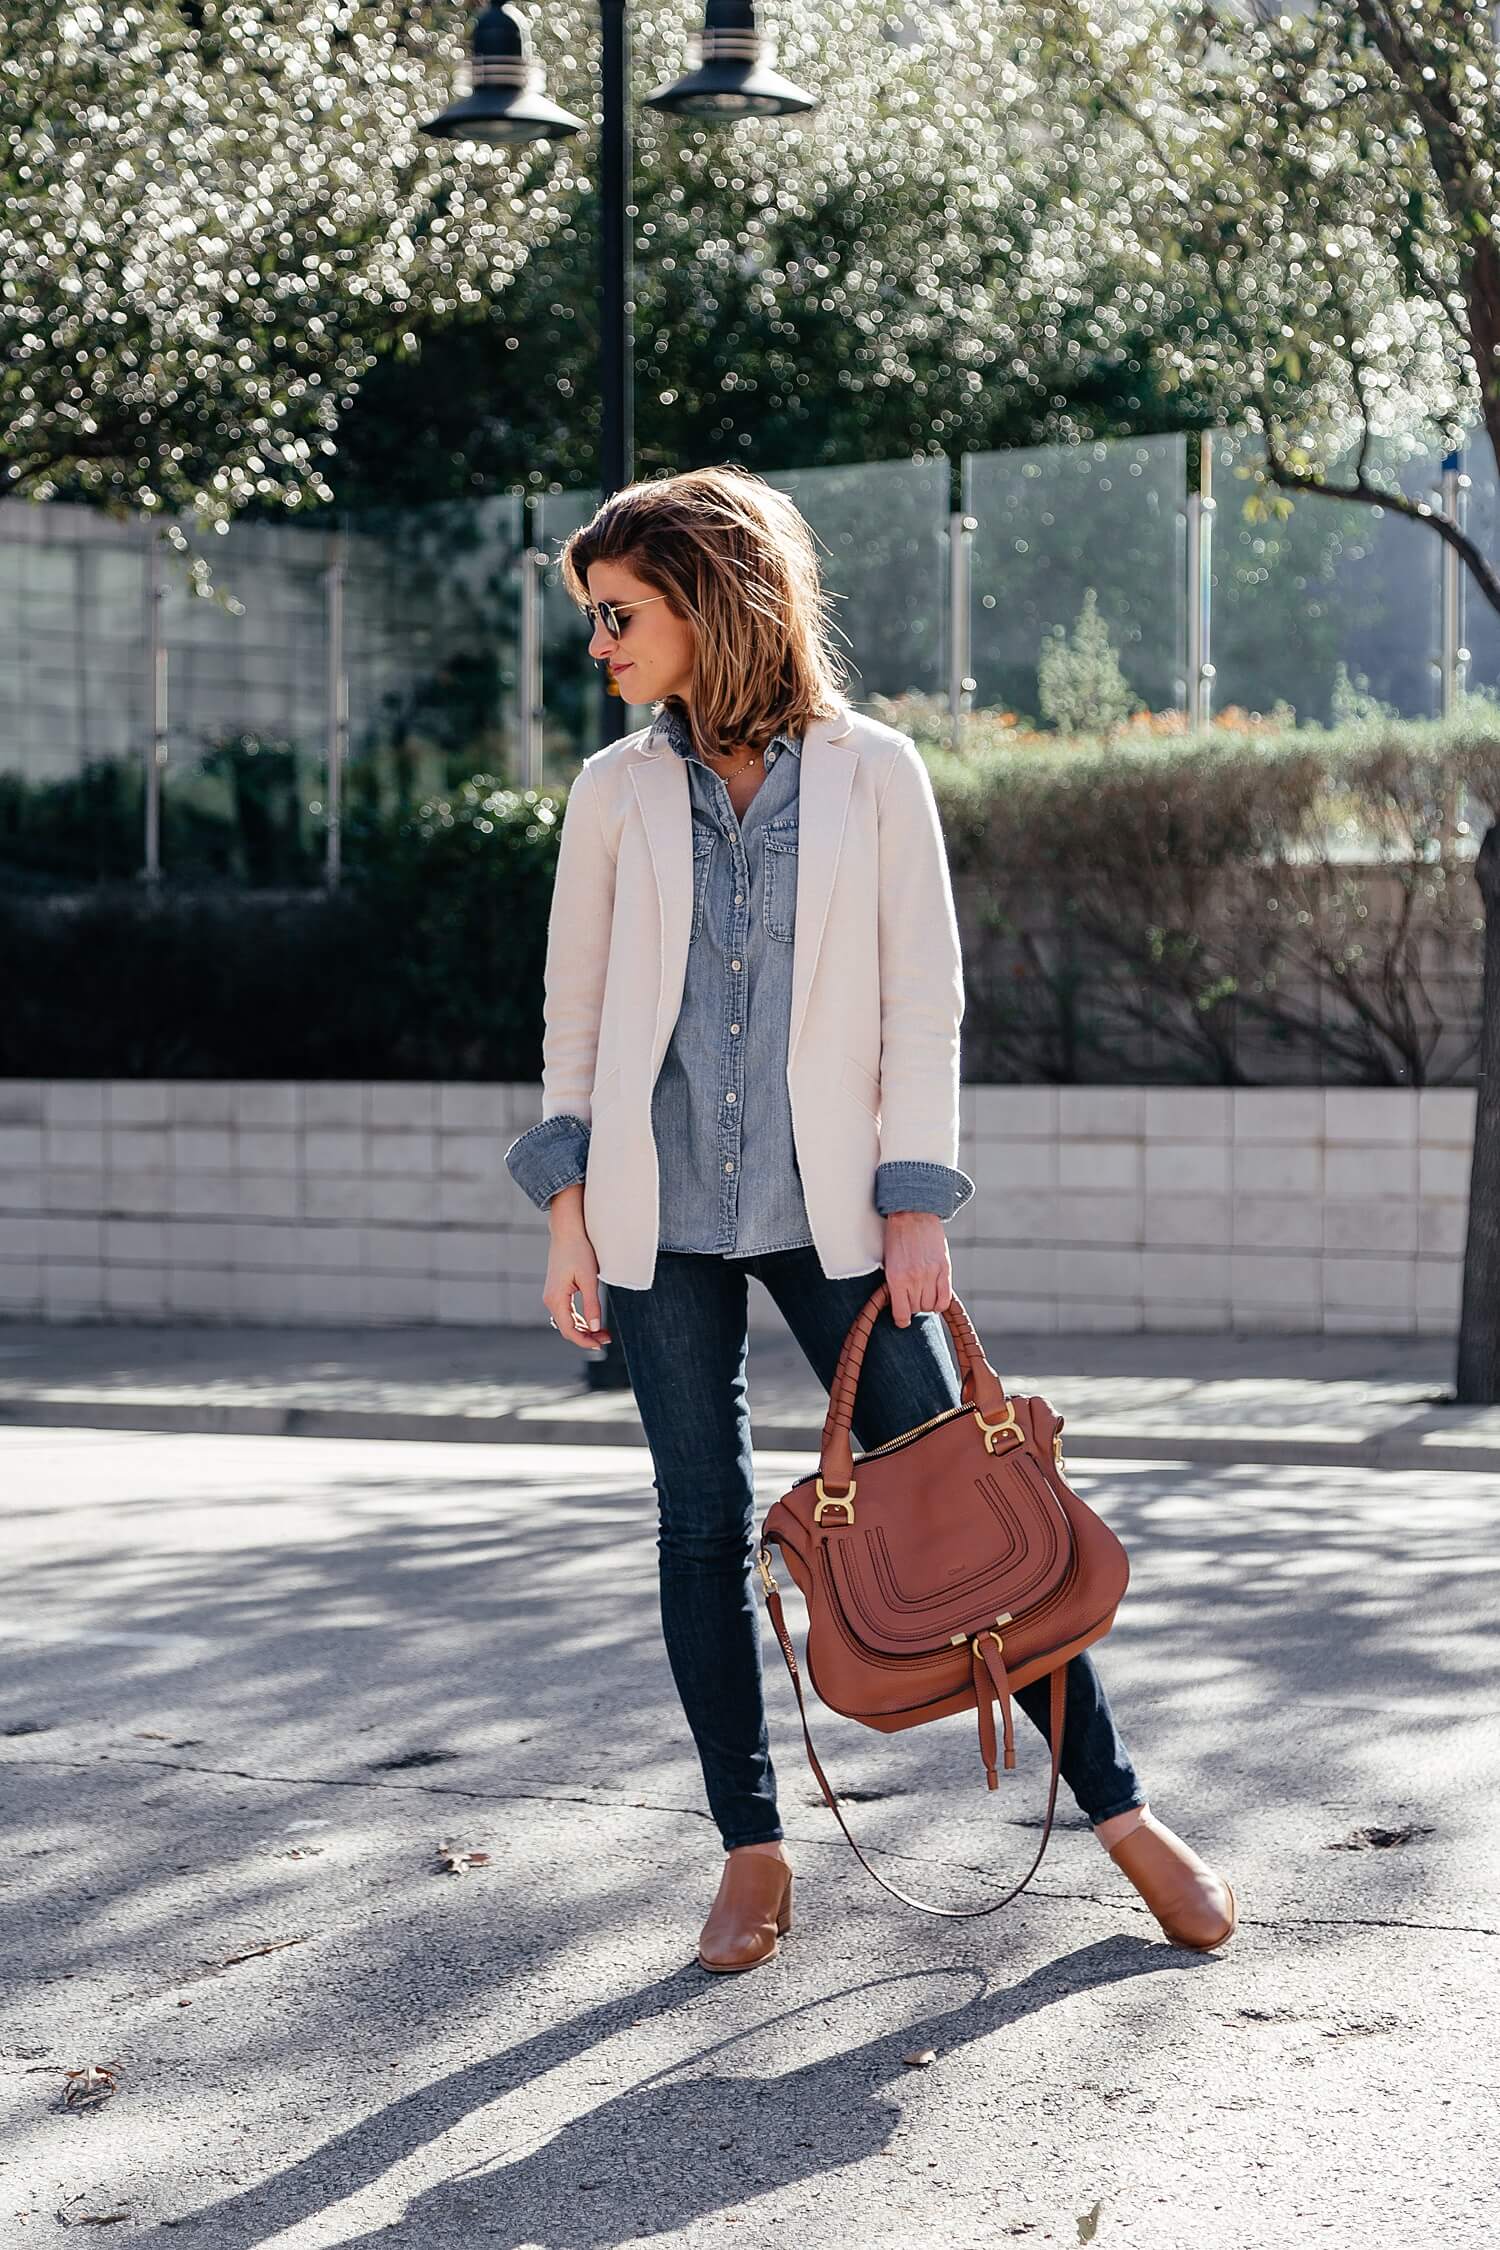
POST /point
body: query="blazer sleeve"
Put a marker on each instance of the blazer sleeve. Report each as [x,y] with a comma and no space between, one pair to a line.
[921,976]
[578,935]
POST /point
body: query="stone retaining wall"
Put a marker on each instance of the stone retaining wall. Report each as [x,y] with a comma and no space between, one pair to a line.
[1097,1207]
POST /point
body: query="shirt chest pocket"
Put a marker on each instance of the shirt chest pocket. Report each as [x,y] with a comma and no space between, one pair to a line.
[780,888]
[704,841]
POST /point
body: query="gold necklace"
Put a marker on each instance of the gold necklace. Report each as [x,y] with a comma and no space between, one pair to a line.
[740,767]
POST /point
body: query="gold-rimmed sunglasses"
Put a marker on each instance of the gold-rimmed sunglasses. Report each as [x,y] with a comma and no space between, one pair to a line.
[612,612]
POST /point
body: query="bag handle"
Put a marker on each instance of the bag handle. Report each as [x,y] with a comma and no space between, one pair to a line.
[982,1387]
[1056,1720]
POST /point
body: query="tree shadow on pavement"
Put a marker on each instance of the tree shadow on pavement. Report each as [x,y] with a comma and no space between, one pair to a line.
[675,2148]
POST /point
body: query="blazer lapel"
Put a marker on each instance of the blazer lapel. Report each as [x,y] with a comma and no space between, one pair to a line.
[824,788]
[825,783]
[661,788]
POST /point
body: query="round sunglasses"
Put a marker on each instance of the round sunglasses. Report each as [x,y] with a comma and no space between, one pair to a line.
[612,612]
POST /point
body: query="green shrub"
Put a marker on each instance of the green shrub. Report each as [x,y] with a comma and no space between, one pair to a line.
[426,963]
[1224,908]
[1237,908]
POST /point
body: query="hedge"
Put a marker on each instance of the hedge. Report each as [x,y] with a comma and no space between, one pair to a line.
[1236,909]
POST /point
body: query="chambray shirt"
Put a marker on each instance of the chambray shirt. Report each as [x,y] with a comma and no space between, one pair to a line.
[720,1111]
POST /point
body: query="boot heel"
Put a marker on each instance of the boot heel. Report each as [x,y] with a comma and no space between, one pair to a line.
[784,1918]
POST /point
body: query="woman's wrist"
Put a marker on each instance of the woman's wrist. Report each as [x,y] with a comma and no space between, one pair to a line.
[565,1209]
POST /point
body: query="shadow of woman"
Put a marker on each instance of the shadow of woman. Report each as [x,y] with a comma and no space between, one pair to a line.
[675,2147]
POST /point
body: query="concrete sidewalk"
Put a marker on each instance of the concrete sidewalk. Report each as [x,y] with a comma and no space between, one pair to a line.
[252,1690]
[1376,1402]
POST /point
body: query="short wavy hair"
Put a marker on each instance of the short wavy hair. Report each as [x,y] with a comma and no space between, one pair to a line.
[736,559]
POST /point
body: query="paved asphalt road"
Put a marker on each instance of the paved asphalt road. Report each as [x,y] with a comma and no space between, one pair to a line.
[249,1685]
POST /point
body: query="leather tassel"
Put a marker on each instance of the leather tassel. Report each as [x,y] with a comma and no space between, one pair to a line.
[987,1745]
[986,1642]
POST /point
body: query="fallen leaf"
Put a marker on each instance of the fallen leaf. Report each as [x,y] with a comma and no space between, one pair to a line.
[1088,2227]
[1379,1839]
[920,2057]
[93,2218]
[90,2082]
[456,1860]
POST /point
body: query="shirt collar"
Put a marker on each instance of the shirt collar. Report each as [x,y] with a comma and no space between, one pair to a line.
[674,725]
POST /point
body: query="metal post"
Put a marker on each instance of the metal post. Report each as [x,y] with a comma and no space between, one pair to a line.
[961,529]
[156,747]
[1200,520]
[1206,571]
[1453,656]
[616,213]
[337,706]
[529,667]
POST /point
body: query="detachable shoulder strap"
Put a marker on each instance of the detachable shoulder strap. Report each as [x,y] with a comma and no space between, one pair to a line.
[1058,1707]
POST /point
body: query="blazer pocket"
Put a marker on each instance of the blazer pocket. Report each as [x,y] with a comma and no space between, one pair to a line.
[864,1088]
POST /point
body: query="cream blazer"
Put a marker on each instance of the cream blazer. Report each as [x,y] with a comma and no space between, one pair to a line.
[877,981]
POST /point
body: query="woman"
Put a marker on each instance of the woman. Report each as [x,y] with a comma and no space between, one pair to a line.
[753,997]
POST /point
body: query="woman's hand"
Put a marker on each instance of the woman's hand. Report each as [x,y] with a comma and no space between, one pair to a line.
[918,1271]
[571,1265]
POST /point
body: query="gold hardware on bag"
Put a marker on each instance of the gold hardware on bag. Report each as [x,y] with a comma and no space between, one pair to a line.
[1057,1448]
[957,1638]
[763,1565]
[844,1500]
[1007,1426]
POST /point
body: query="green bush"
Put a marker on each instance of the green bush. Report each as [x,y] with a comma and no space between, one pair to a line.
[1233,909]
[1222,908]
[426,963]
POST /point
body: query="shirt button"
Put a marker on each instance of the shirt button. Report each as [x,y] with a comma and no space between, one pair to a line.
[739,898]
[734,964]
[734,1027]
[731,1097]
[729,1164]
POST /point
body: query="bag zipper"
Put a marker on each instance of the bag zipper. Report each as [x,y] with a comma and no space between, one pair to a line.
[907,1436]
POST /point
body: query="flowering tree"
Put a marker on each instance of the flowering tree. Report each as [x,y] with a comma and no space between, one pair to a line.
[1327,182]
[213,213]
[217,213]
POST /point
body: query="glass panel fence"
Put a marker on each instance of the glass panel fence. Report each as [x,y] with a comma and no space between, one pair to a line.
[579,715]
[881,530]
[73,693]
[431,633]
[1334,606]
[1478,620]
[1065,532]
[247,704]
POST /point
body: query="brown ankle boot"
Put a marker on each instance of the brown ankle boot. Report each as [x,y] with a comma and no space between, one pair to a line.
[1194,1906]
[753,1907]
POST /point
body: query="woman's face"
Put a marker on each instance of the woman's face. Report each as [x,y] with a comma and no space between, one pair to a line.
[654,655]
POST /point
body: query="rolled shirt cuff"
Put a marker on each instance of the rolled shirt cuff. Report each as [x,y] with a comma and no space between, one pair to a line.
[907,1184]
[549,1157]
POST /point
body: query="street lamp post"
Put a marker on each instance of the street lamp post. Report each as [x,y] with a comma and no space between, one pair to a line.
[730,77]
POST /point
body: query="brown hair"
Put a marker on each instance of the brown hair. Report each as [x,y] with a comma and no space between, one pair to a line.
[736,559]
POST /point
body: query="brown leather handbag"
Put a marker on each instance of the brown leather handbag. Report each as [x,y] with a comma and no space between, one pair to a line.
[943,1569]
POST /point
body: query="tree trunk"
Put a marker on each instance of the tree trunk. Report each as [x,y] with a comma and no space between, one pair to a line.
[1479,1326]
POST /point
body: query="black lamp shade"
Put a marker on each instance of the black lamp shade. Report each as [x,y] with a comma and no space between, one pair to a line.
[731,74]
[505,102]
